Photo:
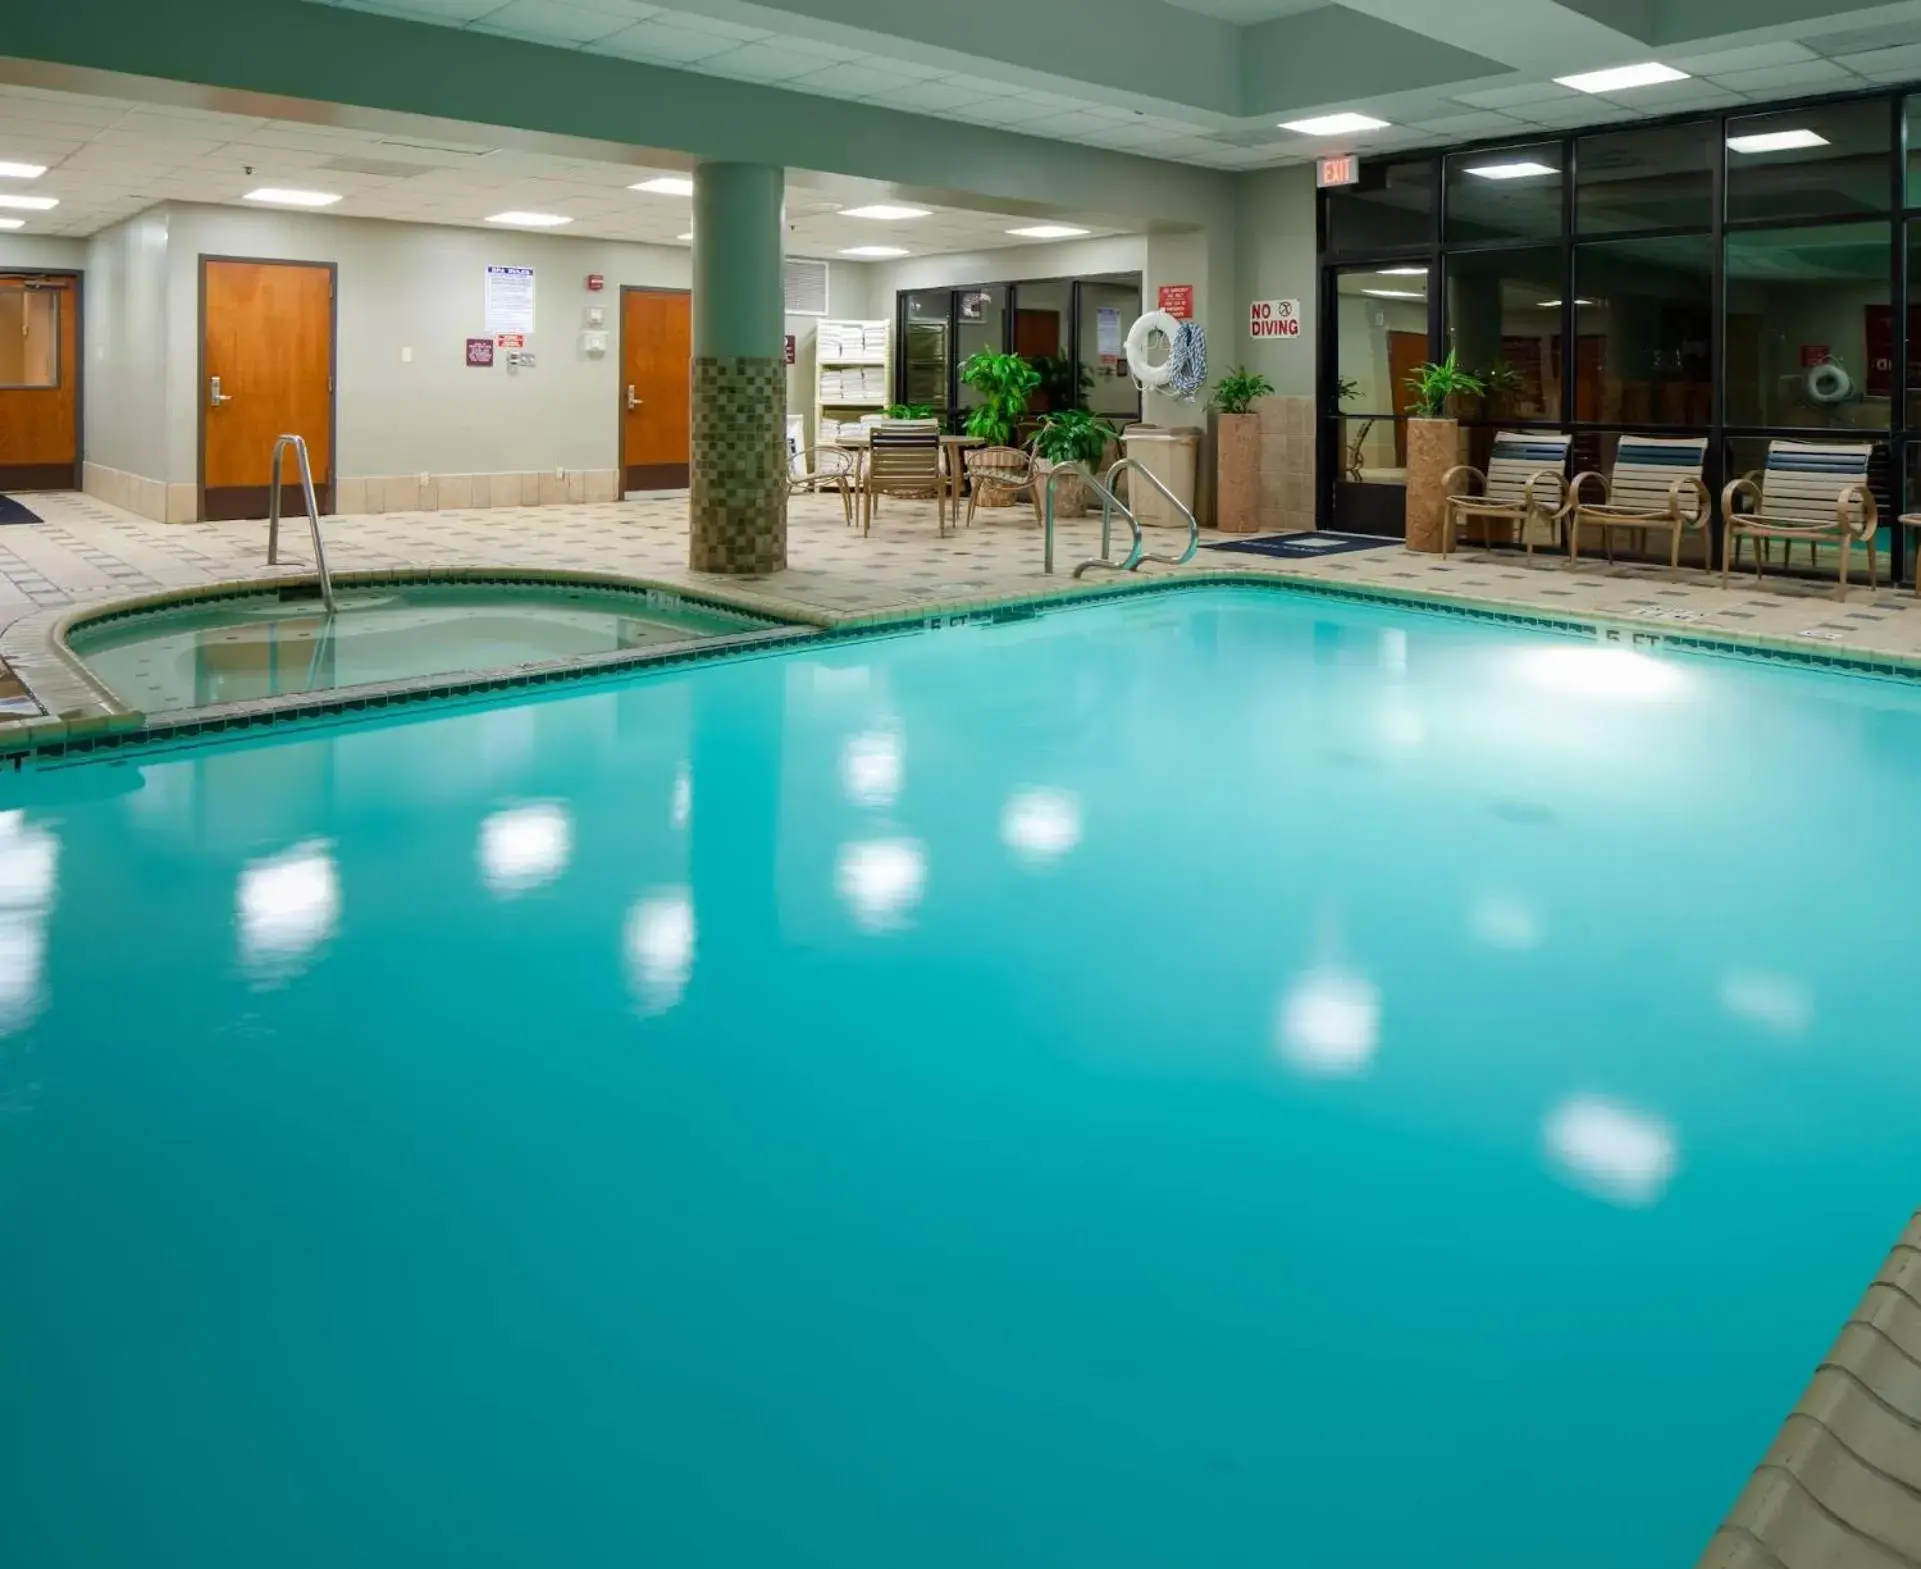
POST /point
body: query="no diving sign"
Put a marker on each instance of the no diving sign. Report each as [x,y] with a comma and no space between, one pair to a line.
[1274,318]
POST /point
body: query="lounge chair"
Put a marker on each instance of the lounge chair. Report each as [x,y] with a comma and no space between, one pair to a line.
[1000,476]
[1811,490]
[815,469]
[903,459]
[1525,487]
[1656,484]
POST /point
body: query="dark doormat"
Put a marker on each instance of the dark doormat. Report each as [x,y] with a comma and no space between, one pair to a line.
[12,512]
[1299,547]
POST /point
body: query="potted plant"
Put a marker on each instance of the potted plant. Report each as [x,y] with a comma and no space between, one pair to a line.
[1069,436]
[1354,447]
[1003,382]
[910,411]
[1433,442]
[1237,447]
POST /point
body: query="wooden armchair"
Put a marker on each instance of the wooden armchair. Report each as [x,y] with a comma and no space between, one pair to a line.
[999,477]
[903,459]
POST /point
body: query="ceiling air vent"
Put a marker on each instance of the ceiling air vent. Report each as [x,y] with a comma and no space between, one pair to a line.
[806,287]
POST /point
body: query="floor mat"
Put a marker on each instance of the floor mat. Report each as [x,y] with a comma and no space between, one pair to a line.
[12,511]
[1299,547]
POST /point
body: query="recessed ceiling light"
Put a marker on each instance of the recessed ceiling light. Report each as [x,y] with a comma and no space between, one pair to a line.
[1402,272]
[1397,294]
[887,212]
[666,185]
[279,197]
[1522,169]
[22,171]
[530,220]
[687,236]
[1776,141]
[1554,305]
[30,203]
[13,223]
[1335,124]
[1622,77]
[1050,231]
[874,252]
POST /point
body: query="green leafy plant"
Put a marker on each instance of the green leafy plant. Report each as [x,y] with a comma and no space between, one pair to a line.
[1434,383]
[1073,436]
[1003,381]
[1065,383]
[1240,389]
[1501,379]
[1344,388]
[910,411]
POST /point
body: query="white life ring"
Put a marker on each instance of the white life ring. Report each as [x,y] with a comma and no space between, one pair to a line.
[1146,373]
[1829,383]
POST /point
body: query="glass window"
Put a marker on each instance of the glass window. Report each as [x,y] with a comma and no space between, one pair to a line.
[29,336]
[924,356]
[1644,313]
[1809,334]
[982,318]
[1041,312]
[1380,340]
[1824,161]
[1504,321]
[1659,179]
[1391,207]
[1912,110]
[1510,194]
[1109,306]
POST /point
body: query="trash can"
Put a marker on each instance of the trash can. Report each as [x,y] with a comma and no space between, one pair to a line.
[1172,455]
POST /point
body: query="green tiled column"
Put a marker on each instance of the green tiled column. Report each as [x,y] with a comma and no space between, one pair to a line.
[738,505]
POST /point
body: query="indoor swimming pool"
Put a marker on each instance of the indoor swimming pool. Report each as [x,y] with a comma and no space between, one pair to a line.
[1224,1077]
[203,652]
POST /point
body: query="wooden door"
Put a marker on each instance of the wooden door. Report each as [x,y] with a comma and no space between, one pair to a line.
[39,382]
[656,368]
[1406,353]
[266,370]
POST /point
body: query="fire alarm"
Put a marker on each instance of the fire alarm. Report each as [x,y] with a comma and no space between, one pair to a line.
[596,282]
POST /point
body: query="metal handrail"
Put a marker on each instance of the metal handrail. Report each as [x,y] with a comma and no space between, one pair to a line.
[1110,503]
[299,445]
[1135,466]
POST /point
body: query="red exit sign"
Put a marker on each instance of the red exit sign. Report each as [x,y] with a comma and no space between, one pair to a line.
[1344,170]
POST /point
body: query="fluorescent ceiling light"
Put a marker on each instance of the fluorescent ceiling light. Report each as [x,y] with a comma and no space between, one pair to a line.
[13,223]
[1050,231]
[687,236]
[874,251]
[1522,169]
[22,171]
[1396,294]
[530,220]
[1622,77]
[1402,272]
[1550,305]
[1335,125]
[886,212]
[1776,141]
[279,197]
[30,203]
[666,185]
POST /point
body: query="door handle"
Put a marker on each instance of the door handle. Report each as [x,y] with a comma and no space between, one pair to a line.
[632,401]
[215,397]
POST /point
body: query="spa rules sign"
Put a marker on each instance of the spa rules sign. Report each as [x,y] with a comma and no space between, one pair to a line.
[1274,318]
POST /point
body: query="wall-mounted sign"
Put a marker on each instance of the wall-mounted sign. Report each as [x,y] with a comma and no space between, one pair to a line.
[510,299]
[1813,354]
[1177,299]
[1107,332]
[595,282]
[480,352]
[512,340]
[1343,169]
[1274,319]
[790,348]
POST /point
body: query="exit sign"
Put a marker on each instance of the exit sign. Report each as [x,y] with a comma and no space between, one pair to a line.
[1344,170]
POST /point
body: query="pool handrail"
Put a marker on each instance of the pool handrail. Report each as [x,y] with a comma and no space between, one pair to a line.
[1110,503]
[299,445]
[1135,466]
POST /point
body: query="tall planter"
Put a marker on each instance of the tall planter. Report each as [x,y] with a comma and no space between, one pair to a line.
[1431,448]
[1237,473]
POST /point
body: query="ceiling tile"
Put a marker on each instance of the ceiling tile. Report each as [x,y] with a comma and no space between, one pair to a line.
[662,44]
[1905,60]
[424,10]
[762,62]
[1518,94]
[1805,73]
[551,22]
[936,97]
[1484,123]
[699,22]
[847,79]
[1752,57]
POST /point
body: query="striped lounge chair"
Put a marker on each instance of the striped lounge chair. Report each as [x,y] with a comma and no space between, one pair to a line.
[1525,488]
[1656,484]
[903,459]
[1810,490]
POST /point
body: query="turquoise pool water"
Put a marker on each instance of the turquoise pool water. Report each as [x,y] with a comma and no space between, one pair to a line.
[1223,1079]
[234,650]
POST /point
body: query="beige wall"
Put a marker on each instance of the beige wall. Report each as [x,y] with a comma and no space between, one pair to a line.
[41,250]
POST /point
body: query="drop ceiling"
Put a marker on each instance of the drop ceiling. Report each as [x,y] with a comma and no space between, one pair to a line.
[109,158]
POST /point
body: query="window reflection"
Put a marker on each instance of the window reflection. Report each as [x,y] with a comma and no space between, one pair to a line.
[871,767]
[1643,331]
[29,871]
[1504,322]
[1392,206]
[1513,193]
[1654,179]
[1823,161]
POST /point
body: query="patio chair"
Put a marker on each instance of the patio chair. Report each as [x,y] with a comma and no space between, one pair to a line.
[1811,490]
[903,459]
[1525,487]
[1656,484]
[999,477]
[814,469]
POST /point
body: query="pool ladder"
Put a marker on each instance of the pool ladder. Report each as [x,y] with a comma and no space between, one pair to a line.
[1111,503]
[299,445]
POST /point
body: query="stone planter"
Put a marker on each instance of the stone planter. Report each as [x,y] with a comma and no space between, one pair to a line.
[1432,445]
[1237,473]
[1070,495]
